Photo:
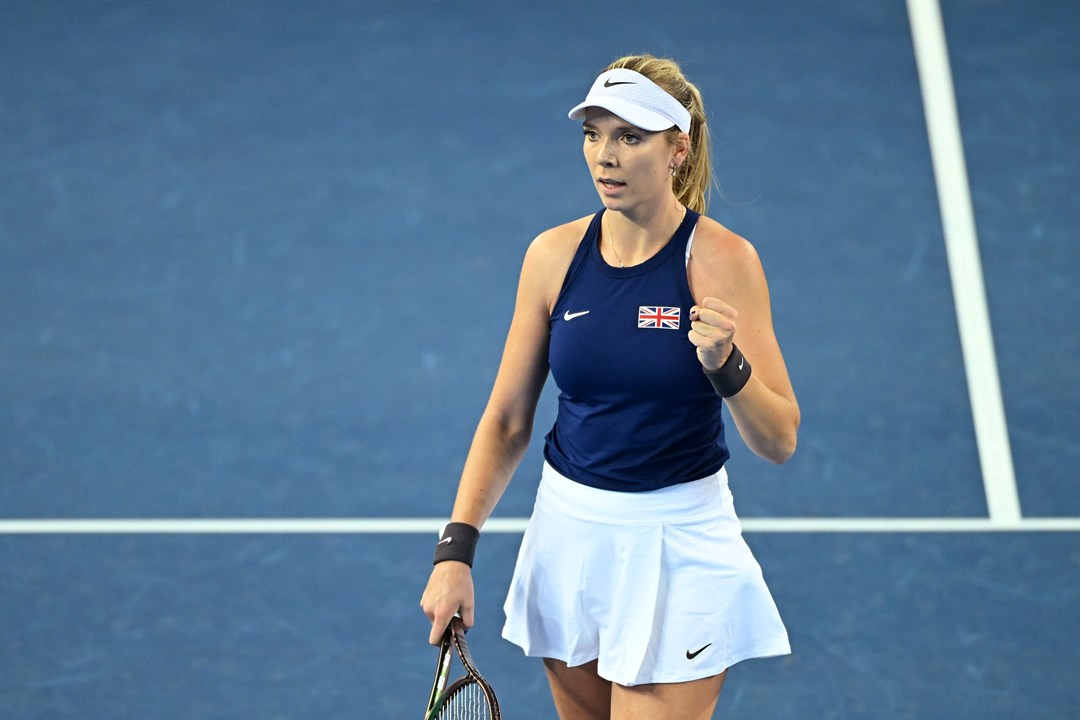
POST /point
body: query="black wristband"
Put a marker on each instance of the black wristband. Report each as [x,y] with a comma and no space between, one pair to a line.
[732,376]
[457,542]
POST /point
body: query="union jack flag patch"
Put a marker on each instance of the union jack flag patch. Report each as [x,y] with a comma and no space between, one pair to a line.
[658,317]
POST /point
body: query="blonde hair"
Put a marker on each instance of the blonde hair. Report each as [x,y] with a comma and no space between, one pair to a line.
[692,181]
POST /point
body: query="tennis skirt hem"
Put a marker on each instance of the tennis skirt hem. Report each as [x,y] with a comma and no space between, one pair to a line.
[697,672]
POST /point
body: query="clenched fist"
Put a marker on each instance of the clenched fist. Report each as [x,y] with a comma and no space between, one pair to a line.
[712,330]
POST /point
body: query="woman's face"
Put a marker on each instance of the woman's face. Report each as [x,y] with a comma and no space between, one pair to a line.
[629,166]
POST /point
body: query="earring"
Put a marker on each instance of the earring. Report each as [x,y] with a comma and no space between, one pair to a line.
[674,170]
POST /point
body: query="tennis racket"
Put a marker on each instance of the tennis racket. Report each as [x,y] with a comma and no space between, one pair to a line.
[467,698]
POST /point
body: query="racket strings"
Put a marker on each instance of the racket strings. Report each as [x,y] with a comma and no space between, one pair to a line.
[467,702]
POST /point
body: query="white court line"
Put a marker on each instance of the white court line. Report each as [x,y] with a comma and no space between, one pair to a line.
[397,526]
[965,267]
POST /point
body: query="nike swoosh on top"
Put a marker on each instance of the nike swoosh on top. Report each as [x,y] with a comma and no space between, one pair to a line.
[568,316]
[608,83]
[446,541]
[692,655]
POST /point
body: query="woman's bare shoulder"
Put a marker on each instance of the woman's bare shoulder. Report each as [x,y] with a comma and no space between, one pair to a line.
[561,239]
[723,263]
[715,242]
[551,252]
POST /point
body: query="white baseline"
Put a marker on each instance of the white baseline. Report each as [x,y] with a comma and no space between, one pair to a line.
[398,526]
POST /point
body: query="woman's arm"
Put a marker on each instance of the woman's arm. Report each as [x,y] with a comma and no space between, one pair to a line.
[733,307]
[505,427]
[504,430]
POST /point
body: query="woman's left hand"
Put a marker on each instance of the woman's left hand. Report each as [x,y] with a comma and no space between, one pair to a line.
[712,331]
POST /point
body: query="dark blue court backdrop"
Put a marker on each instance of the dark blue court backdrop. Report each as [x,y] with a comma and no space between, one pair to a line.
[258,260]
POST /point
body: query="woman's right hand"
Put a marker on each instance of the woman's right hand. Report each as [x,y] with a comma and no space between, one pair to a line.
[449,591]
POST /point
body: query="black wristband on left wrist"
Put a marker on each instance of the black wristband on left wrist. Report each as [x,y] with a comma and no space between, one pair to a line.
[457,542]
[732,376]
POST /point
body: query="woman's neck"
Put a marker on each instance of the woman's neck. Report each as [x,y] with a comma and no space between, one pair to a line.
[633,238]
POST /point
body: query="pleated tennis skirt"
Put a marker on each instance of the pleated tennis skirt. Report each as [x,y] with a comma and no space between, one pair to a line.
[659,586]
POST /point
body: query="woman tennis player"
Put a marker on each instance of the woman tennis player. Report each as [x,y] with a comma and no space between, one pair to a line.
[633,581]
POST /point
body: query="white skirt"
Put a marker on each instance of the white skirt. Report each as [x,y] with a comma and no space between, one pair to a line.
[659,586]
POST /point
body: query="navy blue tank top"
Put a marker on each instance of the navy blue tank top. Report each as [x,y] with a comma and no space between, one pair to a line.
[636,412]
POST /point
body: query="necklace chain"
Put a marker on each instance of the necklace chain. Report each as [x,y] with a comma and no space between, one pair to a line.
[611,241]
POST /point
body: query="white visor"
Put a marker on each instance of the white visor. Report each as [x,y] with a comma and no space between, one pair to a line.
[636,99]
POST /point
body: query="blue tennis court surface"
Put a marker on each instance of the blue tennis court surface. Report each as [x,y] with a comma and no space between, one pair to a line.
[257,261]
